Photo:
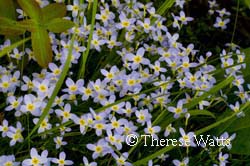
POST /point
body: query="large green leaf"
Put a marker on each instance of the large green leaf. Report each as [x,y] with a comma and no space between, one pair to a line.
[10,27]
[30,25]
[59,25]
[54,10]
[31,8]
[247,3]
[41,47]
[7,9]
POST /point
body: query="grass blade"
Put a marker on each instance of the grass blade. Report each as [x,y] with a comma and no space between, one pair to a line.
[56,90]
[8,49]
[213,90]
[86,53]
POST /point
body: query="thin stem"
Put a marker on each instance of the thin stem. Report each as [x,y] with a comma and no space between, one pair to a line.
[235,22]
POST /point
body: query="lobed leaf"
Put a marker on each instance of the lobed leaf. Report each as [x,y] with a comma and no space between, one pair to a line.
[10,27]
[41,47]
[7,9]
[52,11]
[31,8]
[59,25]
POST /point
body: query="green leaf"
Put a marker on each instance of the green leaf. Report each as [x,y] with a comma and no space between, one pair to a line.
[59,25]
[52,11]
[41,47]
[201,112]
[213,90]
[247,3]
[10,27]
[31,8]
[8,49]
[30,25]
[7,9]
[86,53]
[165,6]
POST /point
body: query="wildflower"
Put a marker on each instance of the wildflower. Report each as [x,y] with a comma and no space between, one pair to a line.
[43,126]
[184,162]
[212,4]
[17,55]
[73,88]
[5,83]
[129,127]
[15,134]
[163,157]
[86,162]
[59,142]
[14,103]
[31,105]
[29,85]
[180,3]
[21,14]
[121,160]
[236,109]
[169,129]
[152,130]
[82,121]
[8,160]
[177,110]
[203,103]
[4,128]
[226,140]
[223,159]
[36,159]
[111,74]
[125,22]
[61,160]
[115,139]
[96,42]
[65,113]
[56,71]
[220,23]
[75,8]
[42,88]
[128,110]
[143,116]
[99,126]
[42,3]
[184,20]
[146,25]
[101,148]
[223,12]
[137,59]
[187,139]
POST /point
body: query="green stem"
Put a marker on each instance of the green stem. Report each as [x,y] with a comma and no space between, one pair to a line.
[86,53]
